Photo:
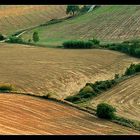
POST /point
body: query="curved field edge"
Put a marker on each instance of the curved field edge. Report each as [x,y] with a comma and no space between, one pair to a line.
[31,115]
[60,72]
[107,23]
[124,96]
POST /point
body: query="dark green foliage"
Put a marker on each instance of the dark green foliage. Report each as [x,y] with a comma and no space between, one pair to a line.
[72,9]
[84,9]
[77,44]
[105,111]
[1,37]
[6,88]
[14,39]
[129,47]
[91,90]
[35,37]
[134,68]
[95,41]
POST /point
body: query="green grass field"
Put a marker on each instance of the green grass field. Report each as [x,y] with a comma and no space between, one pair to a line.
[107,23]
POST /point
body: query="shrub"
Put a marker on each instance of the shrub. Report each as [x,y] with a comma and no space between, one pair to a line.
[14,39]
[2,37]
[87,89]
[6,87]
[35,37]
[95,41]
[78,44]
[137,52]
[105,111]
[132,69]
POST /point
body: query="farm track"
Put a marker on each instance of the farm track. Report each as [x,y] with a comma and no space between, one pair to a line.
[125,97]
[60,72]
[22,114]
[14,18]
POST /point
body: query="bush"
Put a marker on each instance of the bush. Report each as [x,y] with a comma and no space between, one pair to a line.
[95,41]
[132,69]
[1,37]
[78,44]
[105,111]
[137,52]
[14,39]
[35,37]
[6,87]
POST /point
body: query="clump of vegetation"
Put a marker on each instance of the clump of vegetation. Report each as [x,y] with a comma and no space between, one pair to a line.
[91,90]
[73,44]
[6,87]
[1,37]
[14,39]
[35,37]
[129,47]
[95,41]
[105,111]
[72,9]
[132,69]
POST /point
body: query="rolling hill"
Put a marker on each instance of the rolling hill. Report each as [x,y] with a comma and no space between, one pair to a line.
[113,23]
[22,114]
[125,97]
[61,72]
[17,17]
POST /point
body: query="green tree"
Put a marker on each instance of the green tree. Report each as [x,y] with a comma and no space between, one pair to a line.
[35,37]
[72,9]
[105,111]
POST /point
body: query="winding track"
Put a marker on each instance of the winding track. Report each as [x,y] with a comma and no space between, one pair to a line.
[59,71]
[125,97]
[22,114]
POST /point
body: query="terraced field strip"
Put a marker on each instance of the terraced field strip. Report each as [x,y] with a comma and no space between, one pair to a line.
[125,97]
[14,18]
[61,72]
[107,23]
[22,114]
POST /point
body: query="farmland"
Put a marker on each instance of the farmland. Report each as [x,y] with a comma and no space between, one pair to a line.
[60,72]
[30,115]
[14,18]
[108,23]
[56,72]
[125,97]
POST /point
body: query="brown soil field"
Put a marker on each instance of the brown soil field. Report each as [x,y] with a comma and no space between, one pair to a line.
[61,72]
[22,114]
[17,17]
[125,97]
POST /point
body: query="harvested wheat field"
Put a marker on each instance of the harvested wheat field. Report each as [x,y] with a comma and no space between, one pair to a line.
[125,97]
[14,18]
[22,114]
[60,72]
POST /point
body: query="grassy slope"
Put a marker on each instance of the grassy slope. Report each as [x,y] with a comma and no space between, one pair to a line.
[14,18]
[59,71]
[108,23]
[31,115]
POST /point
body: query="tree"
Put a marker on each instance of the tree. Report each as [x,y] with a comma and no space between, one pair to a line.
[72,9]
[105,111]
[35,37]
